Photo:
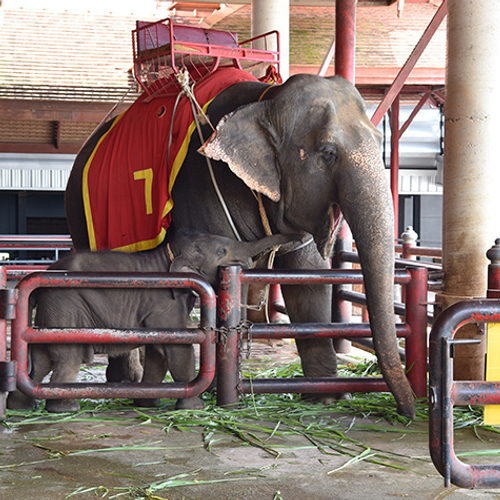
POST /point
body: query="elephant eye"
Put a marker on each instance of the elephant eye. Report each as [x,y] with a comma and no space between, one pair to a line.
[329,153]
[221,252]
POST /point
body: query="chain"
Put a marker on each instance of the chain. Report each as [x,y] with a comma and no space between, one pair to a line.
[243,329]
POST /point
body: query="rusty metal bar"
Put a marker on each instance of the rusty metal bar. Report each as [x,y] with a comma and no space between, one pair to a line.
[308,276]
[233,278]
[345,38]
[316,385]
[22,334]
[330,330]
[360,299]
[35,241]
[405,71]
[394,124]
[229,314]
[444,393]
[414,113]
[416,343]
[7,368]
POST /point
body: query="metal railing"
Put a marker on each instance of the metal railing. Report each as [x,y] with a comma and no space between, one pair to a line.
[15,306]
[20,267]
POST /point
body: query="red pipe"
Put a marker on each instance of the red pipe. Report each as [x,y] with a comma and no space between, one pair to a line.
[228,349]
[22,334]
[395,161]
[345,38]
[416,343]
[494,271]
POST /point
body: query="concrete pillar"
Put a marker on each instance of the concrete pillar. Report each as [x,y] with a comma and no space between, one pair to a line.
[471,201]
[274,15]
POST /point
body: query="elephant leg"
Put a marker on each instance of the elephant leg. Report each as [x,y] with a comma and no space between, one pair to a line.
[41,365]
[155,369]
[311,304]
[66,362]
[181,363]
[126,367]
[179,359]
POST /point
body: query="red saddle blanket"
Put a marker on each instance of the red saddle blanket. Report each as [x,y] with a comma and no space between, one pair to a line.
[128,179]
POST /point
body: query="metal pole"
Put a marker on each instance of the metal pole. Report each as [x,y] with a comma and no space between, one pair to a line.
[405,71]
[493,255]
[471,175]
[345,38]
[228,349]
[395,161]
[345,57]
[416,343]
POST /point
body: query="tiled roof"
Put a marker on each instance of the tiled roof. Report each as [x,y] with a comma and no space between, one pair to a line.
[382,39]
[74,52]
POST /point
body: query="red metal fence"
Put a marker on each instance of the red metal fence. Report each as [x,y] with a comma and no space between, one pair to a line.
[22,334]
[229,329]
[414,330]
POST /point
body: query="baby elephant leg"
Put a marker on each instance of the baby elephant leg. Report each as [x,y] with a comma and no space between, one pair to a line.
[179,359]
[155,369]
[181,364]
[41,366]
[126,367]
[66,361]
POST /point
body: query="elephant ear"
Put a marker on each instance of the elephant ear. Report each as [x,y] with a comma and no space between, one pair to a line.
[245,140]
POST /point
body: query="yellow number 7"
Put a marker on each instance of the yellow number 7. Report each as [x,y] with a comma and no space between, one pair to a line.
[147,176]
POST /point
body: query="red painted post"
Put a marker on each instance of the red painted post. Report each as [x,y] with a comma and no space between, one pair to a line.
[345,66]
[416,343]
[405,71]
[345,38]
[7,368]
[3,321]
[342,309]
[394,119]
[494,271]
[228,349]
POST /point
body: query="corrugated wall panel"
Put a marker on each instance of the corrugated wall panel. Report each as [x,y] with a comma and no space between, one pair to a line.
[34,172]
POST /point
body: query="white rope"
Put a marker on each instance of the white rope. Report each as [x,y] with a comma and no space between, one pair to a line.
[183,79]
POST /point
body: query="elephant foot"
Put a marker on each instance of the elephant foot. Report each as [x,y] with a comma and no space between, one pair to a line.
[407,410]
[194,403]
[62,405]
[327,399]
[125,368]
[147,403]
[18,401]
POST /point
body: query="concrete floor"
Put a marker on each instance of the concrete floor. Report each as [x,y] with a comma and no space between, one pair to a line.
[119,454]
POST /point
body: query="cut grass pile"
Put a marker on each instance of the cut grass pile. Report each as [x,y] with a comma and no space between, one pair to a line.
[263,421]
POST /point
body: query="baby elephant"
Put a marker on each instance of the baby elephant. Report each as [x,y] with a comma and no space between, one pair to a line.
[131,308]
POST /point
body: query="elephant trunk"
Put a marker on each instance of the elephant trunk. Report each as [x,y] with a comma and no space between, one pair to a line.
[367,206]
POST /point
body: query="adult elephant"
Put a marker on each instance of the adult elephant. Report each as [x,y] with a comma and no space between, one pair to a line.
[309,148]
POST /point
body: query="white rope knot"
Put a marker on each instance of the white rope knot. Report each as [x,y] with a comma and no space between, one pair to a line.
[183,77]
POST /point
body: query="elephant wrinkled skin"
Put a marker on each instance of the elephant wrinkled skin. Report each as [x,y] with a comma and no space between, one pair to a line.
[310,149]
[131,308]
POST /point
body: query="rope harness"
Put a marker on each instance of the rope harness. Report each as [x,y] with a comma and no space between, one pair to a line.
[245,327]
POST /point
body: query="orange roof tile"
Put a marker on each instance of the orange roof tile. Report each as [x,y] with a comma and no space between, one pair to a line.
[44,49]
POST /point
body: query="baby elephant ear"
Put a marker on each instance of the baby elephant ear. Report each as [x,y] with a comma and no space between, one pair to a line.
[244,140]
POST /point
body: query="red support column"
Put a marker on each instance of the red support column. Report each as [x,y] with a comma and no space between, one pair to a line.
[405,71]
[345,38]
[395,161]
[228,318]
[494,271]
[345,64]
[416,343]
